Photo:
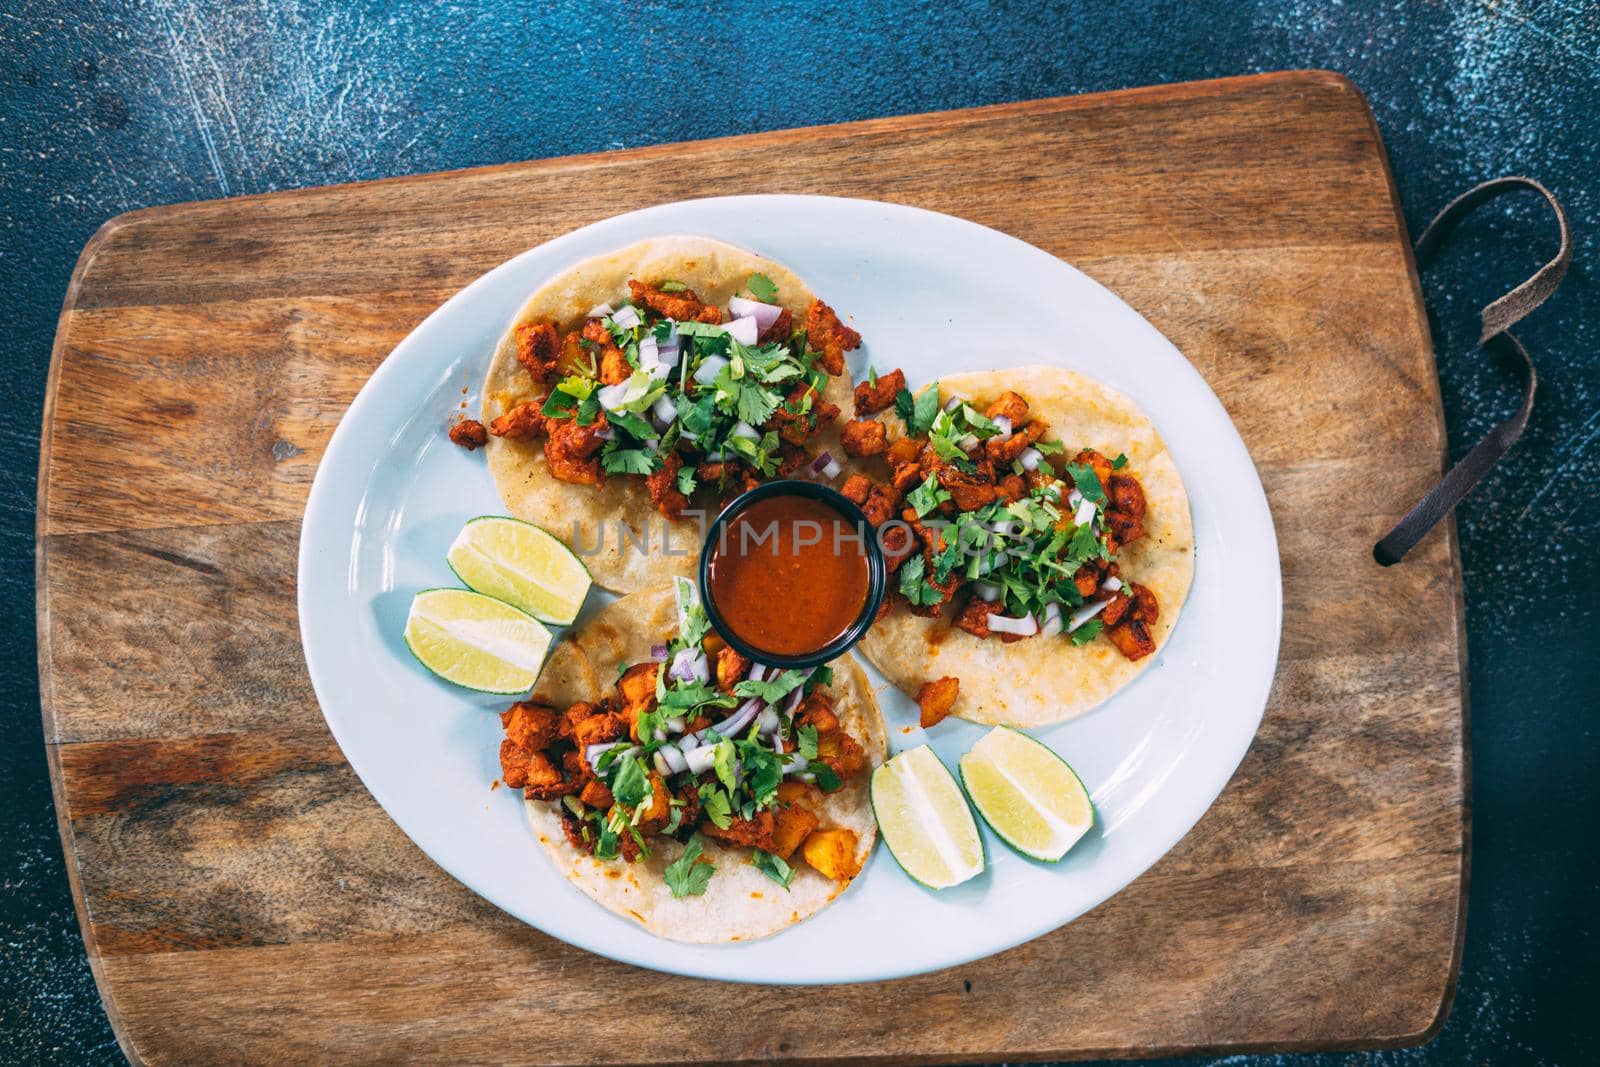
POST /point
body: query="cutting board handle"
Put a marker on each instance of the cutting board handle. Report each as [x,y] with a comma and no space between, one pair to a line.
[1498,318]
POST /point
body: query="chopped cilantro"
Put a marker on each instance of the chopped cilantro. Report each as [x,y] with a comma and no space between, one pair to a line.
[872,376]
[822,676]
[806,738]
[629,461]
[827,778]
[916,590]
[631,785]
[762,288]
[927,497]
[918,413]
[672,287]
[773,867]
[1088,484]
[605,845]
[763,770]
[686,480]
[1087,632]
[714,802]
[725,762]
[1120,462]
[771,690]
[1049,447]
[688,875]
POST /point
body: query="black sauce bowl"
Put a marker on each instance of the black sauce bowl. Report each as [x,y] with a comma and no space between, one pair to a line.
[877,572]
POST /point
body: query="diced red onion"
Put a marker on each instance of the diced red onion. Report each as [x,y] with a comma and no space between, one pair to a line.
[764,314]
[735,723]
[612,395]
[795,763]
[1085,613]
[664,409]
[701,760]
[744,429]
[1006,624]
[968,442]
[792,701]
[820,462]
[600,311]
[768,722]
[674,725]
[744,330]
[1030,459]
[658,653]
[1111,584]
[1074,498]
[832,470]
[1052,620]
[669,761]
[1005,527]
[709,369]
[1085,513]
[1002,423]
[758,672]
[626,317]
[986,591]
[953,403]
[592,753]
[604,433]
[689,665]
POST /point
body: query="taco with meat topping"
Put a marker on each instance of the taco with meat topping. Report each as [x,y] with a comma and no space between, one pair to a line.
[708,798]
[637,391]
[1039,536]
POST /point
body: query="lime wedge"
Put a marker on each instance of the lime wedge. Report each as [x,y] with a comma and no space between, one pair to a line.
[476,641]
[522,564]
[925,820]
[1027,794]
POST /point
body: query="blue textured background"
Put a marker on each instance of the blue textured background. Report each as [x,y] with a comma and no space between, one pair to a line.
[108,106]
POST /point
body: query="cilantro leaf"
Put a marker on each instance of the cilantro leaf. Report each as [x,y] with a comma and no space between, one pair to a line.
[827,778]
[928,496]
[1088,484]
[773,867]
[726,765]
[916,590]
[763,770]
[762,288]
[1087,632]
[806,738]
[1049,446]
[1120,462]
[687,876]
[755,404]
[771,690]
[918,414]
[629,461]
[716,806]
[630,786]
[686,480]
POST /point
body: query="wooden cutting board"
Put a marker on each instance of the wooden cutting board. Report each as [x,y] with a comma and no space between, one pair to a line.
[243,898]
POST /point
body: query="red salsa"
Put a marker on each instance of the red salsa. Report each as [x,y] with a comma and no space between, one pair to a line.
[789,574]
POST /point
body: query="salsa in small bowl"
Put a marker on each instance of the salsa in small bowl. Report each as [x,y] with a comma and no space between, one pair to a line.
[792,574]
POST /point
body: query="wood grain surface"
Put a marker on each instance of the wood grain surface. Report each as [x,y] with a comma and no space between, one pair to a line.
[244,899]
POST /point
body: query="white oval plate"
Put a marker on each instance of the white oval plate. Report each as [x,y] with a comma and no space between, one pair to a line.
[930,293]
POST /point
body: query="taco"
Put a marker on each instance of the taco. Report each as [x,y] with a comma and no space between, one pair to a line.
[677,784]
[637,391]
[1039,535]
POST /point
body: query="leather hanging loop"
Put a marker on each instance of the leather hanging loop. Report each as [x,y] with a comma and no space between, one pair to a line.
[1498,317]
